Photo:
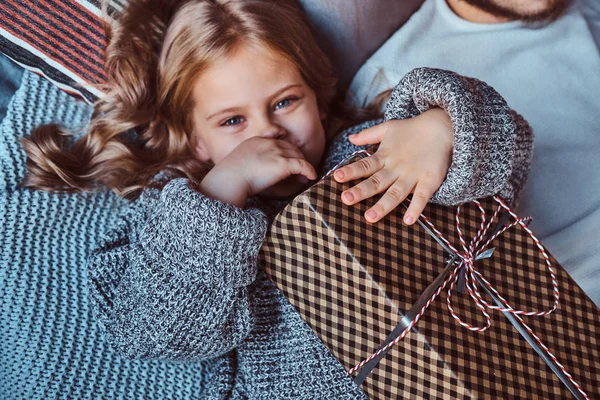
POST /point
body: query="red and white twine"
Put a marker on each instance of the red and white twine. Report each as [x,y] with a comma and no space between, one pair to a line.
[468,257]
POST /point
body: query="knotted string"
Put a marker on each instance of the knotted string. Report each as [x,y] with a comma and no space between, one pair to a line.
[477,247]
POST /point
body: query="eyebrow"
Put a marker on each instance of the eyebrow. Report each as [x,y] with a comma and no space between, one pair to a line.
[230,109]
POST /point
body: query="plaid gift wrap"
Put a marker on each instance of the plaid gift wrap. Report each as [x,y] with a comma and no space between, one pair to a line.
[359,285]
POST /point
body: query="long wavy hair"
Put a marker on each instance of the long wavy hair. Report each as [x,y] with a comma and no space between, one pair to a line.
[142,124]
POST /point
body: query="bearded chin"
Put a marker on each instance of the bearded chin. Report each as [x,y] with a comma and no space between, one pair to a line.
[553,10]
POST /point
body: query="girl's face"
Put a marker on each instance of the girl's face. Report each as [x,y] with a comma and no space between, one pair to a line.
[254,92]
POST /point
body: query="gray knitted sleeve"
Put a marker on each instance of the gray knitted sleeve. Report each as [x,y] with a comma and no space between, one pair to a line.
[170,280]
[493,144]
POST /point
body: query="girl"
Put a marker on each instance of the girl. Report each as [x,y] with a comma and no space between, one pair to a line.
[218,113]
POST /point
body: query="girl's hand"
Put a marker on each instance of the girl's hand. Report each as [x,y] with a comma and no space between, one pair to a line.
[414,156]
[253,166]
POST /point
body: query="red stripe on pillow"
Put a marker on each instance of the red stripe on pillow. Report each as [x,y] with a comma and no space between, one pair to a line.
[93,33]
[96,53]
[95,68]
[63,40]
[50,53]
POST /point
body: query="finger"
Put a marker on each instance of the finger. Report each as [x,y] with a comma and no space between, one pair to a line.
[363,167]
[376,183]
[299,166]
[389,201]
[292,153]
[285,144]
[422,193]
[371,135]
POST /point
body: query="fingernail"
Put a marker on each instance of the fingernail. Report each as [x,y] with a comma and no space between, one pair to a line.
[371,214]
[339,174]
[349,197]
[408,220]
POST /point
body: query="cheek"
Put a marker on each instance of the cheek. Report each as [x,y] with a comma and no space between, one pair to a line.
[318,134]
[219,147]
[223,148]
[319,146]
[311,136]
[215,143]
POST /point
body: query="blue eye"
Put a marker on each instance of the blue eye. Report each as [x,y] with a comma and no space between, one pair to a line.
[285,102]
[232,121]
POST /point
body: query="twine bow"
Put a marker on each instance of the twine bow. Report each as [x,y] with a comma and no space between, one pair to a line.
[476,249]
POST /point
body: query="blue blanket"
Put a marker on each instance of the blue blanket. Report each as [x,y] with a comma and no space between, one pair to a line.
[50,345]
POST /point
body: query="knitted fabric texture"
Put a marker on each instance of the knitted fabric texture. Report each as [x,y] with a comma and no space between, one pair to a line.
[162,297]
[482,120]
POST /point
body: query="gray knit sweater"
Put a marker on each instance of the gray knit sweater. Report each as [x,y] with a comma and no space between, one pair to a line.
[177,278]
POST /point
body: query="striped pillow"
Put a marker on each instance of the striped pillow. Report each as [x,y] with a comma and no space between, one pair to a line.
[62,40]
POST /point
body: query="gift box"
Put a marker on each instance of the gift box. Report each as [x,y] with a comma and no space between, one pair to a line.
[465,303]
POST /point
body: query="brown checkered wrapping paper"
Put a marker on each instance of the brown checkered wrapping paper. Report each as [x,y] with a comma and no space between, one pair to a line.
[352,282]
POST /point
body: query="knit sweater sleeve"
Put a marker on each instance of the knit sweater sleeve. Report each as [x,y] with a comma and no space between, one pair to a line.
[170,281]
[492,143]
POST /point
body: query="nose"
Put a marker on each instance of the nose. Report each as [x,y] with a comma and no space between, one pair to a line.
[271,129]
